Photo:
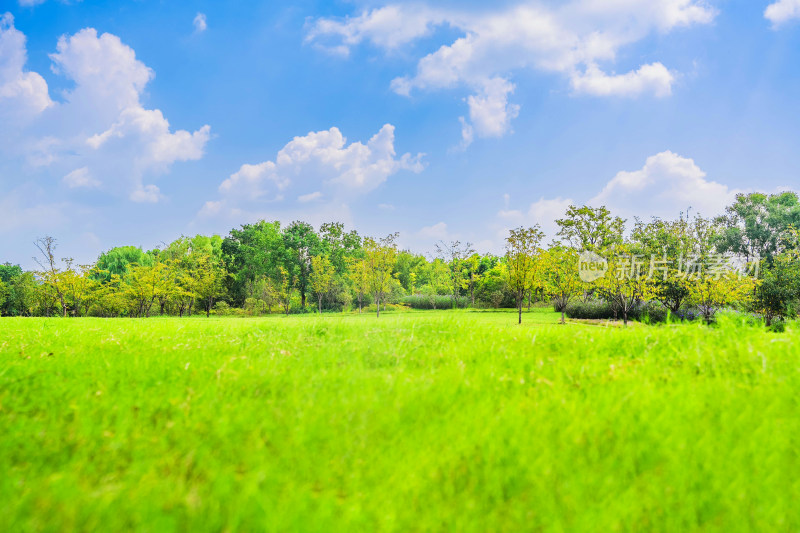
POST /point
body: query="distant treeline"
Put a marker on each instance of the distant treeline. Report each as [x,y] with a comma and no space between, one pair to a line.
[745,259]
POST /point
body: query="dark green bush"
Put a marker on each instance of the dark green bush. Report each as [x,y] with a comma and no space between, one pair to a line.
[421,301]
[591,310]
[649,312]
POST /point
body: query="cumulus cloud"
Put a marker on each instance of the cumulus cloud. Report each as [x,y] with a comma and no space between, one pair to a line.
[321,159]
[666,186]
[199,23]
[101,126]
[782,11]
[571,39]
[381,26]
[22,93]
[652,79]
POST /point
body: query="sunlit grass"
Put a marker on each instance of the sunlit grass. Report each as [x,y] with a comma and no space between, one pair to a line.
[448,420]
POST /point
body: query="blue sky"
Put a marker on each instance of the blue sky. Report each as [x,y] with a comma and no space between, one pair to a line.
[136,122]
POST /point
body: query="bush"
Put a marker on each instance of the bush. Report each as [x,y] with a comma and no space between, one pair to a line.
[649,312]
[422,301]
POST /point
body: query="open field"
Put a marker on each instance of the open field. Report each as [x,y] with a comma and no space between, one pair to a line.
[412,422]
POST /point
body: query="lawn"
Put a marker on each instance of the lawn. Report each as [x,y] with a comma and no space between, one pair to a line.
[423,421]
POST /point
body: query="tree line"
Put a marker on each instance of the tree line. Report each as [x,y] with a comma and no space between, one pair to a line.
[745,259]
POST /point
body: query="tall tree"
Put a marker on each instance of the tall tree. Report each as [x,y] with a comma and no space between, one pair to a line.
[119,261]
[522,249]
[50,273]
[209,276]
[380,260]
[758,226]
[561,278]
[455,254]
[321,278]
[301,243]
[358,273]
[590,228]
[626,282]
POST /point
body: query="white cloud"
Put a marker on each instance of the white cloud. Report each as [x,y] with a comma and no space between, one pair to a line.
[305,198]
[543,212]
[324,155]
[158,146]
[782,11]
[388,27]
[667,185]
[30,3]
[436,232]
[489,111]
[652,79]
[570,38]
[106,72]
[322,160]
[22,93]
[80,177]
[101,126]
[146,194]
[199,23]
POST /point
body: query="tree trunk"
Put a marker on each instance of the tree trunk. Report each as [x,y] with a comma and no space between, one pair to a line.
[320,304]
[563,321]
[625,317]
[378,305]
[519,308]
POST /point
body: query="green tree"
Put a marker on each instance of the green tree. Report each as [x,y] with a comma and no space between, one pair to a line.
[590,228]
[51,273]
[285,289]
[561,278]
[777,294]
[321,278]
[119,261]
[380,259]
[455,255]
[439,279]
[758,226]
[358,273]
[4,293]
[301,243]
[209,276]
[522,250]
[625,284]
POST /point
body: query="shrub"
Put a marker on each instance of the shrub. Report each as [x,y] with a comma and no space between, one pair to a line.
[591,310]
[422,301]
[649,312]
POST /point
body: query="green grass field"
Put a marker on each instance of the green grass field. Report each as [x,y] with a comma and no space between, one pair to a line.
[429,421]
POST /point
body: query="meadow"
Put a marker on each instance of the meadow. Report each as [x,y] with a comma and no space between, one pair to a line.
[420,421]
